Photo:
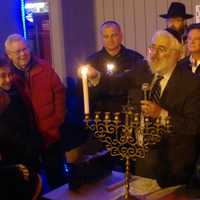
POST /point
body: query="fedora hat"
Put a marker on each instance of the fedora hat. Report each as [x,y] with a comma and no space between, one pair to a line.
[176,9]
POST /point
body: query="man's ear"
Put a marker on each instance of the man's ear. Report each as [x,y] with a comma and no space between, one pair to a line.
[6,54]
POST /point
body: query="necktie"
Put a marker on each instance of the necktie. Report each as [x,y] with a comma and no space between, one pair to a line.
[156,90]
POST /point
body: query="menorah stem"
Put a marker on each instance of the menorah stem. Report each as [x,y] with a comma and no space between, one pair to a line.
[127,178]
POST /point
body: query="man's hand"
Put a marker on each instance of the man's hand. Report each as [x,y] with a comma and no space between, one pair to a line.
[24,171]
[150,109]
[91,71]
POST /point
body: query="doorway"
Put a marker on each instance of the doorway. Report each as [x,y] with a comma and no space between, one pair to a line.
[37,26]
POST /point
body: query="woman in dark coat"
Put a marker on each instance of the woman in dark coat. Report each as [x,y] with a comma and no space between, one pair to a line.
[19,141]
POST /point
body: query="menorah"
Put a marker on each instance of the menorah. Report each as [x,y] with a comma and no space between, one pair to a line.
[127,134]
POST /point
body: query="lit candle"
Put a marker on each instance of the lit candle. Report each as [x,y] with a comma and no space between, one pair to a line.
[110,68]
[84,71]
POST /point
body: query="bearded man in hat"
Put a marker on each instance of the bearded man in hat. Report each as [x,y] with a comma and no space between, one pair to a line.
[176,17]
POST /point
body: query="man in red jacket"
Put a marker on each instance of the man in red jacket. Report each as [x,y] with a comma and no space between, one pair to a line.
[43,87]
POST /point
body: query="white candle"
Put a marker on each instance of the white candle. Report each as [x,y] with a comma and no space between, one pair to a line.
[84,72]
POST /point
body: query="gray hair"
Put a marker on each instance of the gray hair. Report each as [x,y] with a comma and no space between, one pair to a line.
[174,42]
[14,38]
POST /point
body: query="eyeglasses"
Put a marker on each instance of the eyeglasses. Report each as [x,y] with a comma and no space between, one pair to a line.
[160,49]
[18,52]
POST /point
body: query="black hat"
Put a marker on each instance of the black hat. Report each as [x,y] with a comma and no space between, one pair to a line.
[176,9]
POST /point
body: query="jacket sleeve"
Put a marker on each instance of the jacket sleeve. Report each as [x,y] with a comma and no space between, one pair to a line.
[188,121]
[59,100]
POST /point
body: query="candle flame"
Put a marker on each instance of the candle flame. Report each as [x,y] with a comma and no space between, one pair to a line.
[84,71]
[110,67]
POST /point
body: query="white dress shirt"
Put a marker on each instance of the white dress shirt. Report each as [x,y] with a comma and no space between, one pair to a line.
[195,64]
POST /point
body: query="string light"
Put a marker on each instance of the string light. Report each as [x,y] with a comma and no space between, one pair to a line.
[23,18]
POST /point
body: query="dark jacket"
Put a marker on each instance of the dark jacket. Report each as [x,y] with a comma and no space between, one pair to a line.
[196,177]
[19,139]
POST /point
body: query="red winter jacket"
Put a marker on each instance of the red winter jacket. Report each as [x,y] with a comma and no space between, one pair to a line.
[47,96]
